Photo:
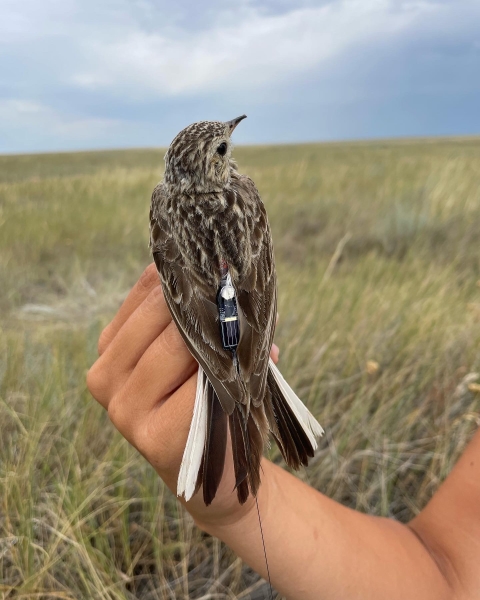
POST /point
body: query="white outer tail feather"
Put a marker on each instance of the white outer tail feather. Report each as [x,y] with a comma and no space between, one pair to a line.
[310,425]
[193,453]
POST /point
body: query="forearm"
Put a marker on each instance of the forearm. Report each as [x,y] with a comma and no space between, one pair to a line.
[450,523]
[319,549]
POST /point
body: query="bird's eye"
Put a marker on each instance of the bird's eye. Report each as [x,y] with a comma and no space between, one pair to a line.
[222,149]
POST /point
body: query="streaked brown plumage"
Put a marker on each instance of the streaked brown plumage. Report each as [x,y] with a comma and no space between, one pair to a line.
[203,215]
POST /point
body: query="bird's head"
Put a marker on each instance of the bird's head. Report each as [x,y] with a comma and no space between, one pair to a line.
[198,159]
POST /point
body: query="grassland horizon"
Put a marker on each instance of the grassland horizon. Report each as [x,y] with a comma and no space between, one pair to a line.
[379,298]
[409,139]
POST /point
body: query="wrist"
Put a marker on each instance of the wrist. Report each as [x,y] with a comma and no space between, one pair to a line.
[229,515]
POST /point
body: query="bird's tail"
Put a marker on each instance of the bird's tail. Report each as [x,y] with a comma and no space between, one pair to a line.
[249,435]
[195,446]
[283,413]
[294,427]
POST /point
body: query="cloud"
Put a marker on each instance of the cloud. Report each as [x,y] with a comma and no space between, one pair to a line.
[24,111]
[26,120]
[80,72]
[244,52]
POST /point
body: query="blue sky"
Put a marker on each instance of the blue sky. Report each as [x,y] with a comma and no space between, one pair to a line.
[78,74]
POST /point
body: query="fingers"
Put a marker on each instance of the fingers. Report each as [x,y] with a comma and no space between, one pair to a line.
[163,435]
[146,323]
[165,366]
[163,370]
[275,353]
[147,282]
[142,328]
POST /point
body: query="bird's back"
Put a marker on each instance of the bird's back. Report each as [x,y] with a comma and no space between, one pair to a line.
[193,237]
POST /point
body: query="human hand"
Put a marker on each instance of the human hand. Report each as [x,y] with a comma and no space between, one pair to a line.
[146,378]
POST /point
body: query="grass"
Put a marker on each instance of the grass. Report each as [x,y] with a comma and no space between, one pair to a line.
[377,255]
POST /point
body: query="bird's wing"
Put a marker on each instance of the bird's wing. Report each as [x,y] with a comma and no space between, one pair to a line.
[192,304]
[256,295]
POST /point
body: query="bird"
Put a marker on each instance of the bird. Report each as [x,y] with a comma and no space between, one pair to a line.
[212,245]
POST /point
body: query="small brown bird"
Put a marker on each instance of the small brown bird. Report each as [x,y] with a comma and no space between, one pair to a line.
[212,245]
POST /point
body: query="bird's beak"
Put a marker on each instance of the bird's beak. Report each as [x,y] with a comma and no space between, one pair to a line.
[234,122]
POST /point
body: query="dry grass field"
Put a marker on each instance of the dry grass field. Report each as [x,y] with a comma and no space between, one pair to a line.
[378,255]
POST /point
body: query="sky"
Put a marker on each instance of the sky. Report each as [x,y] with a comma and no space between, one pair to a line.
[81,74]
